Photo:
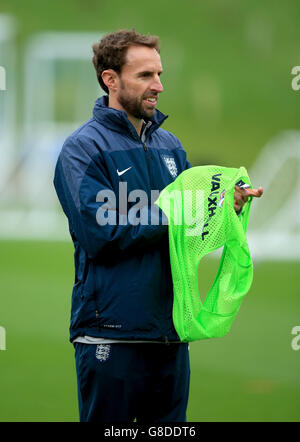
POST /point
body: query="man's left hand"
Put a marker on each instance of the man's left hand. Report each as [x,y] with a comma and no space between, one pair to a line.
[241,196]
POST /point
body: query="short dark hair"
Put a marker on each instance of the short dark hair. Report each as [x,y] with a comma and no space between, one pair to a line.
[110,52]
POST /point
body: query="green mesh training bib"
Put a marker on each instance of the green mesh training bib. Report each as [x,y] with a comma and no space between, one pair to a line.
[199,205]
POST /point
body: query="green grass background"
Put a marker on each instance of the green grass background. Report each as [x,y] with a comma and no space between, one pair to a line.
[227,65]
[227,78]
[252,374]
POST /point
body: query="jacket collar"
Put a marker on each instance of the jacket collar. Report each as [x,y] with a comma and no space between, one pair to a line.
[118,120]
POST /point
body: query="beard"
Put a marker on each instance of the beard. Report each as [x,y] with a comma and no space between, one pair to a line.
[134,106]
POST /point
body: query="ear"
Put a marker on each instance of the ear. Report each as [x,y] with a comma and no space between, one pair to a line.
[110,79]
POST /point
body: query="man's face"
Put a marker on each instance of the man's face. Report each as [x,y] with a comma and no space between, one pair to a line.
[139,82]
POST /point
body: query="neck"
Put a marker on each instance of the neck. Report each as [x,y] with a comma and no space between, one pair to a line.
[136,122]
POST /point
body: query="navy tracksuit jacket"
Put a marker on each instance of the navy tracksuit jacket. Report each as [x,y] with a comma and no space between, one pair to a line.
[123,283]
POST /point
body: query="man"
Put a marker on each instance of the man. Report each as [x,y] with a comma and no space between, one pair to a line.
[129,360]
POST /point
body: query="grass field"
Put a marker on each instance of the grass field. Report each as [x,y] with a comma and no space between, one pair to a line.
[252,374]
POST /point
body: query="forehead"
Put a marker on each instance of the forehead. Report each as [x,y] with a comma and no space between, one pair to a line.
[142,57]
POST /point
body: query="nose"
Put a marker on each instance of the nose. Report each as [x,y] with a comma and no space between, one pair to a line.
[157,85]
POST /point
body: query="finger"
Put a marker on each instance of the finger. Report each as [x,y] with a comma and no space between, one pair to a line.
[250,192]
[239,190]
[241,193]
[257,193]
[238,203]
[241,196]
[238,207]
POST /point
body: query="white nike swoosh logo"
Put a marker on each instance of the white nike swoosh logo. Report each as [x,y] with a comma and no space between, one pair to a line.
[123,171]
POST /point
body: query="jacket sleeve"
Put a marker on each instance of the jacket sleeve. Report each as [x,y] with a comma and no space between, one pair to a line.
[79,177]
[188,165]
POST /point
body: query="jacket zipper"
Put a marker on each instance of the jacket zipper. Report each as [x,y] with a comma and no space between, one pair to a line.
[143,135]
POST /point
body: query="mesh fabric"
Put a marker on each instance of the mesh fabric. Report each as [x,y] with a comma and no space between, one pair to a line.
[199,205]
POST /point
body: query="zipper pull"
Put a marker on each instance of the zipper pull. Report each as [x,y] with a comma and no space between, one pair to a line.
[145,147]
[166,341]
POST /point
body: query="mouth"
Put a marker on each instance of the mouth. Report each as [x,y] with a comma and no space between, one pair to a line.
[151,101]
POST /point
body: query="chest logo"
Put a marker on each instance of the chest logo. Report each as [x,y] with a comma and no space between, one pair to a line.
[123,171]
[171,165]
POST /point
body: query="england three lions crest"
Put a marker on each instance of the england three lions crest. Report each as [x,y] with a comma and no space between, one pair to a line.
[171,165]
[103,352]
